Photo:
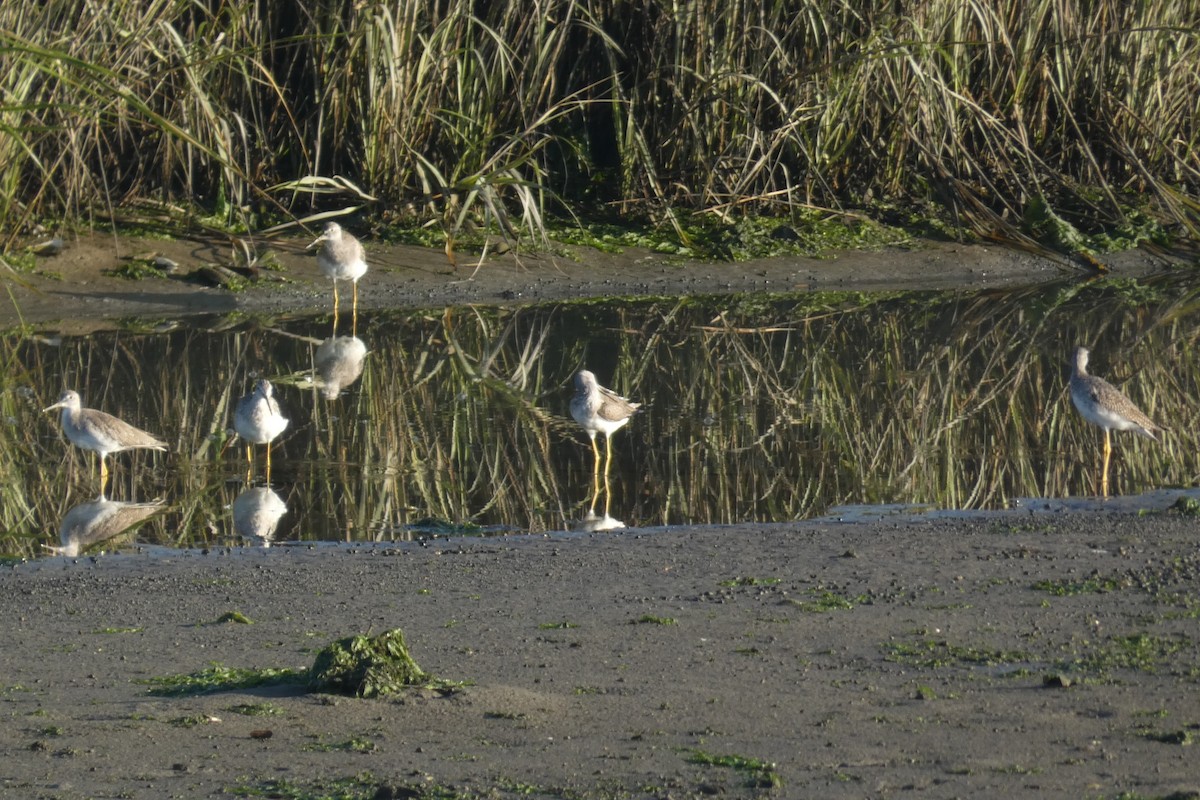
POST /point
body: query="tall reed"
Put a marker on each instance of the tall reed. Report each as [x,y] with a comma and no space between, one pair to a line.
[453,110]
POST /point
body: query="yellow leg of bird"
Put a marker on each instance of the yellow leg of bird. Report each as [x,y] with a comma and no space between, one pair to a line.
[595,475]
[1107,456]
[354,313]
[268,463]
[335,307]
[103,474]
[607,464]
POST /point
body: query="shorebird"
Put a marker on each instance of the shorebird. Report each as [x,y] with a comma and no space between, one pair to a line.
[599,410]
[258,421]
[340,258]
[1105,405]
[103,433]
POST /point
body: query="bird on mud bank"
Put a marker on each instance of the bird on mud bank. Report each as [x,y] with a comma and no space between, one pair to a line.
[340,258]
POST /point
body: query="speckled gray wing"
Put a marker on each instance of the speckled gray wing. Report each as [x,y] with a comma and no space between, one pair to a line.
[615,408]
[117,432]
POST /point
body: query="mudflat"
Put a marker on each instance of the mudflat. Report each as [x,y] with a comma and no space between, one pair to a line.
[1049,654]
[77,291]
[1002,654]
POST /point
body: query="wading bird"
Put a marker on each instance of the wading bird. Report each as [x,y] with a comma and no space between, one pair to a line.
[100,432]
[341,258]
[258,421]
[1105,405]
[599,410]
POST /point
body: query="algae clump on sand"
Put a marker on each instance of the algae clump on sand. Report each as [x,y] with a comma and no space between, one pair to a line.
[366,666]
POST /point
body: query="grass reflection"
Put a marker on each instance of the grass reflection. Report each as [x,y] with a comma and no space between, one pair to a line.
[755,408]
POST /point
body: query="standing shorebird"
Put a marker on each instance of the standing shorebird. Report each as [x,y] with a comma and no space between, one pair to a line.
[103,433]
[599,410]
[340,258]
[1105,405]
[258,421]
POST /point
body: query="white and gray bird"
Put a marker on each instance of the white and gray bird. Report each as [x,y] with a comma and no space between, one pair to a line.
[100,432]
[1105,405]
[340,258]
[257,419]
[599,410]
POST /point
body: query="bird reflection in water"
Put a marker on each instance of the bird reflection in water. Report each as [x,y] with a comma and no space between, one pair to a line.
[337,364]
[592,522]
[88,524]
[256,515]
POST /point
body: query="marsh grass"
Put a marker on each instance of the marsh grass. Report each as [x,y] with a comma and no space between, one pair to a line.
[758,773]
[1040,119]
[765,408]
[824,600]
[1137,652]
[929,654]
[256,709]
[362,786]
[217,677]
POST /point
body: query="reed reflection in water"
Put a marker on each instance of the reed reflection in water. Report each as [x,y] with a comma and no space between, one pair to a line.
[763,408]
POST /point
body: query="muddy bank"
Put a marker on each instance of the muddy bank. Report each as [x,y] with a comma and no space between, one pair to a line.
[71,291]
[1049,655]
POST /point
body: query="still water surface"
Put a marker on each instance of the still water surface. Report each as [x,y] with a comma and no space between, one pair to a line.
[764,408]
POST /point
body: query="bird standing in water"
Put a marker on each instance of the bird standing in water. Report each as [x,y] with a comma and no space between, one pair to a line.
[102,433]
[599,410]
[341,258]
[258,421]
[1105,405]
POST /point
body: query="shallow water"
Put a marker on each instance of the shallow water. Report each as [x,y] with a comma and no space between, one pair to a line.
[762,408]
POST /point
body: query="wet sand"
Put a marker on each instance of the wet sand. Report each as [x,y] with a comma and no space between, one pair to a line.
[71,293]
[885,659]
[908,657]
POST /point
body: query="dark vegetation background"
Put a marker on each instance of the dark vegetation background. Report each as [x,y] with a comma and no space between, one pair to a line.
[999,117]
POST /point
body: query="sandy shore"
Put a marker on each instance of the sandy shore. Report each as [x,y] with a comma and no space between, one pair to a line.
[71,293]
[915,657]
[1048,655]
